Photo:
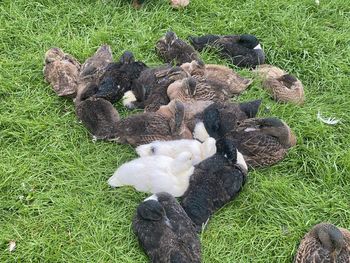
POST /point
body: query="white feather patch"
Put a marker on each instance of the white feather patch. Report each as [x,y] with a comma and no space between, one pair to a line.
[12,245]
[250,129]
[128,98]
[317,2]
[258,47]
[152,197]
[200,133]
[330,121]
[241,162]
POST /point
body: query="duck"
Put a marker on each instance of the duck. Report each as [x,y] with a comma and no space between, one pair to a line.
[91,70]
[149,91]
[241,50]
[222,117]
[118,77]
[262,141]
[324,243]
[214,182]
[165,231]
[199,151]
[61,71]
[282,86]
[189,90]
[100,117]
[155,173]
[219,73]
[174,50]
[192,110]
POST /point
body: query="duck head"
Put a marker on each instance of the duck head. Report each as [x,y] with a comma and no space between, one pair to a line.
[249,41]
[193,67]
[150,209]
[127,58]
[272,127]
[330,237]
[54,54]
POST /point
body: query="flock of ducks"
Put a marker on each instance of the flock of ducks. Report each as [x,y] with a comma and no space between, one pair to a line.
[192,142]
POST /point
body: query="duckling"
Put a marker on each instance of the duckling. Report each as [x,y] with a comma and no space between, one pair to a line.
[190,89]
[262,141]
[149,91]
[172,49]
[199,151]
[218,73]
[324,243]
[99,117]
[156,173]
[214,182]
[242,50]
[61,70]
[118,77]
[165,231]
[91,71]
[282,86]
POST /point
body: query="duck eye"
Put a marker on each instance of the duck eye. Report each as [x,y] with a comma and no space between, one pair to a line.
[238,123]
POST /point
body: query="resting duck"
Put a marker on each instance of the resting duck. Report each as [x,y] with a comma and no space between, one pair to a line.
[190,89]
[118,77]
[214,182]
[172,49]
[241,50]
[149,91]
[229,113]
[61,70]
[324,243]
[262,141]
[165,231]
[282,86]
[218,73]
[99,116]
[91,71]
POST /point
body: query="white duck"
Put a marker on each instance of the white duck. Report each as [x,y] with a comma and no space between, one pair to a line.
[155,174]
[199,151]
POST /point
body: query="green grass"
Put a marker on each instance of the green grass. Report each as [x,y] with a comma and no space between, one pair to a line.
[54,199]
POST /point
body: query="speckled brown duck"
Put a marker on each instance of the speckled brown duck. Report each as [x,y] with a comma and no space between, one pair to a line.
[262,141]
[91,71]
[174,50]
[189,90]
[219,73]
[102,120]
[324,243]
[282,86]
[61,70]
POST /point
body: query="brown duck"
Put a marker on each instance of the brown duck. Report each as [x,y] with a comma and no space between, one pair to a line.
[282,86]
[102,120]
[91,71]
[324,243]
[235,83]
[61,70]
[174,50]
[190,89]
[262,141]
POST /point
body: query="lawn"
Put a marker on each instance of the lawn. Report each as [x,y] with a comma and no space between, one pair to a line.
[54,199]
